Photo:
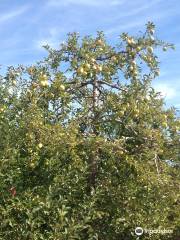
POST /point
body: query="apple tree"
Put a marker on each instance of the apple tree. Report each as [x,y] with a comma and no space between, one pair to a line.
[84,143]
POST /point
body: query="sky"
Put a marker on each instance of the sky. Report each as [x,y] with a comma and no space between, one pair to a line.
[27,25]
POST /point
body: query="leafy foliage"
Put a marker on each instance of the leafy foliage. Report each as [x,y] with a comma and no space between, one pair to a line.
[84,139]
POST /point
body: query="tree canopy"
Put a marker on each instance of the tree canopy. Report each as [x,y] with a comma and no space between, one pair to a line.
[85,140]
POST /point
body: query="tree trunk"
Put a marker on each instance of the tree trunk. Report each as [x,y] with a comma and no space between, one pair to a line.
[94,153]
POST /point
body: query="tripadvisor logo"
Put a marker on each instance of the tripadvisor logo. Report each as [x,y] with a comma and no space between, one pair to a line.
[139,231]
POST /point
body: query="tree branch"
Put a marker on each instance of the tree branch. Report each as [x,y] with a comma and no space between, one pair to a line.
[111,85]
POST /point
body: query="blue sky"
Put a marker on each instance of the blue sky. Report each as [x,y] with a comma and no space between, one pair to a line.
[26,25]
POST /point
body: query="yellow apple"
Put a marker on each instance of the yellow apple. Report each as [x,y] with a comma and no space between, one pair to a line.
[86,56]
[130,41]
[120,152]
[121,113]
[138,48]
[99,42]
[40,145]
[46,162]
[144,57]
[44,83]
[150,49]
[164,124]
[177,128]
[92,60]
[31,136]
[95,67]
[30,70]
[43,77]
[113,58]
[14,82]
[34,85]
[87,66]
[100,49]
[157,72]
[99,68]
[2,109]
[160,151]
[131,68]
[74,61]
[43,80]
[135,72]
[32,165]
[62,87]
[105,68]
[149,59]
[80,70]
[165,117]
[136,111]
[52,95]
[134,62]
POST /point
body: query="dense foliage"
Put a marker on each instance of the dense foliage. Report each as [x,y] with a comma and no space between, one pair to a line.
[84,143]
